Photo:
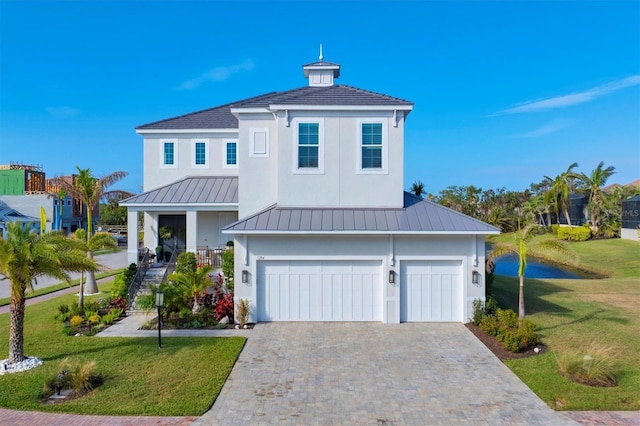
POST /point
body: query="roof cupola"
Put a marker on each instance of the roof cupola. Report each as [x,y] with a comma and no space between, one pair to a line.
[321,73]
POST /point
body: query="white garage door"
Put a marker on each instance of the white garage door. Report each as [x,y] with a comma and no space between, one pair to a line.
[319,291]
[431,290]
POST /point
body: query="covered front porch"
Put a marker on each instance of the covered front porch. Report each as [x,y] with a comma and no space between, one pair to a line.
[187,215]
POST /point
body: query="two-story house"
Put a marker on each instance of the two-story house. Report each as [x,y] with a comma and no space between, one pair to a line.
[308,183]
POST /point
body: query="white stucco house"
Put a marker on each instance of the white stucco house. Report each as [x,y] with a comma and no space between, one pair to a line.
[308,183]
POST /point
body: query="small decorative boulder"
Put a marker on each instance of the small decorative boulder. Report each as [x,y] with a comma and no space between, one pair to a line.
[237,327]
[224,320]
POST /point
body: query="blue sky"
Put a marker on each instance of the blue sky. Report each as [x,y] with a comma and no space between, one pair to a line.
[505,92]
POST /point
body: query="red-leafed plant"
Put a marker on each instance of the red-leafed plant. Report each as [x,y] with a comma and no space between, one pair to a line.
[224,306]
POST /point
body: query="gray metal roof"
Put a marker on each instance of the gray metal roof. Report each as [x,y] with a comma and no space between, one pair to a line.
[191,190]
[221,118]
[417,216]
[7,214]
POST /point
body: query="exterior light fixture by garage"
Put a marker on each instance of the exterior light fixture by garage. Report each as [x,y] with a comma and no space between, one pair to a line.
[475,277]
[159,305]
[245,276]
[392,277]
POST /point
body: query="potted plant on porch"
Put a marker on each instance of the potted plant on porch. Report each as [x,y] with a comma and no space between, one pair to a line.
[166,233]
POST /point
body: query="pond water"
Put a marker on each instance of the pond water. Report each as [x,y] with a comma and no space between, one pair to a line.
[508,265]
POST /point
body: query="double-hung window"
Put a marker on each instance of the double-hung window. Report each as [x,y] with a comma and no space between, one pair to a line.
[169,154]
[371,146]
[200,153]
[231,154]
[308,145]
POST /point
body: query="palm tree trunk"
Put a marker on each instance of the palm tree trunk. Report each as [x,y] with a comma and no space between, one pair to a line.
[81,295]
[92,285]
[521,298]
[16,333]
[566,215]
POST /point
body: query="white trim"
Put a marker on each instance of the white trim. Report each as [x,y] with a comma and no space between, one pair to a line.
[277,107]
[252,133]
[384,170]
[175,153]
[249,110]
[224,153]
[253,232]
[205,141]
[165,131]
[294,163]
[182,207]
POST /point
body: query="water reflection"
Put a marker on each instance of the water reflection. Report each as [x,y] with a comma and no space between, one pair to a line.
[508,265]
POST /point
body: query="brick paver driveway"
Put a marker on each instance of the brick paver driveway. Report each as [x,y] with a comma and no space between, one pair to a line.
[371,373]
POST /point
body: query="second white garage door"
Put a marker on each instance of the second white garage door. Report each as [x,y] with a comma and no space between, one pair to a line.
[430,290]
[319,290]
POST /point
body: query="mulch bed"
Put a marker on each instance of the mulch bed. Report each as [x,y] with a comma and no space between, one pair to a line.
[498,349]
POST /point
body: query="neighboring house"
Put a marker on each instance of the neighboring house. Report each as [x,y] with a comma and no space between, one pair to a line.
[25,189]
[631,219]
[577,211]
[8,215]
[308,183]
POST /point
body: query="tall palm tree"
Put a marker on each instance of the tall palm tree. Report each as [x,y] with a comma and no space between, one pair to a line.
[101,240]
[194,282]
[560,191]
[90,190]
[525,245]
[24,257]
[593,184]
[418,188]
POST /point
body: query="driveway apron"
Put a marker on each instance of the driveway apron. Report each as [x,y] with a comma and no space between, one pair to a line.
[371,374]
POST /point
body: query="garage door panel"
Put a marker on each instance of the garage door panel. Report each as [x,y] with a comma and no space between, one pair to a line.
[430,290]
[319,291]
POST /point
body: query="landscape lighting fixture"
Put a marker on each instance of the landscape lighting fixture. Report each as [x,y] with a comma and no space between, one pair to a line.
[159,305]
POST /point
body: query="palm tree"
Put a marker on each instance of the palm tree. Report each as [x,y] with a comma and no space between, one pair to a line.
[525,244]
[25,256]
[418,188]
[194,282]
[101,240]
[560,191]
[593,185]
[90,190]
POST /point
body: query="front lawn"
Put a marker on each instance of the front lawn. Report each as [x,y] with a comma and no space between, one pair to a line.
[571,314]
[182,379]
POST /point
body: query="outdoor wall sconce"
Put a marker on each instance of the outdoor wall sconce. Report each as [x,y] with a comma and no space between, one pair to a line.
[475,277]
[392,277]
[245,276]
[159,305]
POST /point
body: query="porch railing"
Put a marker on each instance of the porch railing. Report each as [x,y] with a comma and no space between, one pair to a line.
[207,256]
[136,282]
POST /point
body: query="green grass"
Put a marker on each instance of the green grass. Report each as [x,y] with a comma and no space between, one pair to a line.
[61,286]
[182,379]
[573,314]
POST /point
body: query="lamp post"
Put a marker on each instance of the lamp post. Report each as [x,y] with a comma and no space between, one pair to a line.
[159,305]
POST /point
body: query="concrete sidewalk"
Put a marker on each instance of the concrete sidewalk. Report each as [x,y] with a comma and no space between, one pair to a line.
[108,262]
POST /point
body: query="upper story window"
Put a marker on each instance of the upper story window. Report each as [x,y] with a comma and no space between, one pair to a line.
[231,154]
[308,145]
[169,154]
[199,153]
[371,145]
[373,151]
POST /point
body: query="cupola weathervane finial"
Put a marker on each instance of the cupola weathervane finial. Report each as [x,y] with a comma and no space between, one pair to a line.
[320,57]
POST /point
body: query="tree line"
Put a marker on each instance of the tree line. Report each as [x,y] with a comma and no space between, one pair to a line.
[543,202]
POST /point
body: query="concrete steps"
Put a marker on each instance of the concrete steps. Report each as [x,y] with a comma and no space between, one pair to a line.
[152,278]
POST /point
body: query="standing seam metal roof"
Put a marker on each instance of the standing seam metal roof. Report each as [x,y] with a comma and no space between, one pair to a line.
[417,216]
[191,190]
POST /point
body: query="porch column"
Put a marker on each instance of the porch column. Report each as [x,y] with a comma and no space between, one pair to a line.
[192,230]
[132,237]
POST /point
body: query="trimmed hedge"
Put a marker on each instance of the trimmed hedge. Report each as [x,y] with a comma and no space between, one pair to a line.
[576,233]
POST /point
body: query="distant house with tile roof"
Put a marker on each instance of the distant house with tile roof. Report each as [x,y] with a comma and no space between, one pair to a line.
[308,184]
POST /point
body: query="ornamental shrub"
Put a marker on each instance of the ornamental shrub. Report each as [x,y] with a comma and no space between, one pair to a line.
[224,306]
[186,262]
[554,229]
[76,321]
[576,233]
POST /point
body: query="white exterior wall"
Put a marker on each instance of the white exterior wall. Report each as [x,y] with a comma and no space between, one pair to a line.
[257,184]
[339,182]
[630,234]
[249,250]
[156,174]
